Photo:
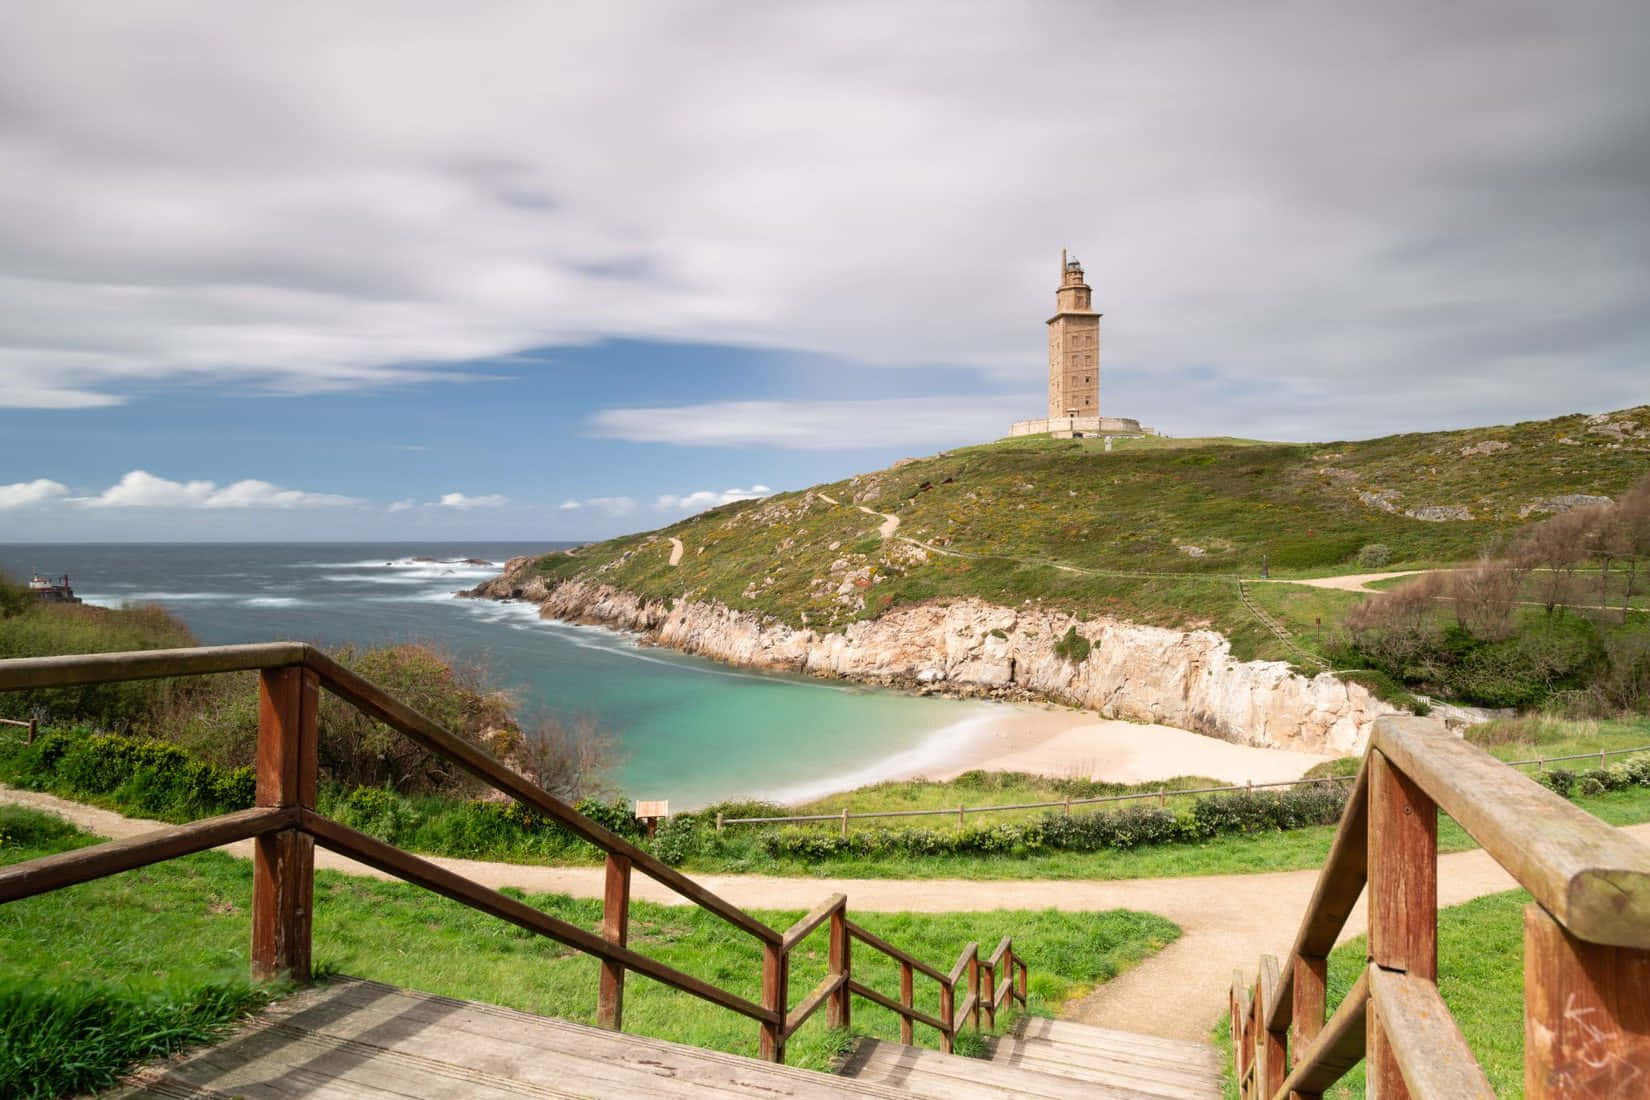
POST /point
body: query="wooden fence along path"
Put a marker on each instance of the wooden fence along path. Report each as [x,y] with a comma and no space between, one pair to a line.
[285,828]
[1586,939]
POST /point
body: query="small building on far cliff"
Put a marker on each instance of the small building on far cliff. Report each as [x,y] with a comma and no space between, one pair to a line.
[1074,366]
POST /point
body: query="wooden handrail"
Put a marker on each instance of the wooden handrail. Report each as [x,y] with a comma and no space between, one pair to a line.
[19,673]
[1592,879]
[285,826]
[54,872]
[1587,938]
[403,865]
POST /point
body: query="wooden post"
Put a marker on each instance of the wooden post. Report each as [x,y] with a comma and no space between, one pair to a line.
[1403,901]
[1274,1045]
[839,1010]
[1068,806]
[1162,798]
[948,1010]
[283,864]
[1020,982]
[959,815]
[34,725]
[775,998]
[1308,1015]
[907,998]
[1586,1015]
[718,821]
[844,821]
[974,988]
[988,988]
[615,930]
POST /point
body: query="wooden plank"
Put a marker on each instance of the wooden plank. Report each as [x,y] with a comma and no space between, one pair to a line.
[375,853]
[1339,884]
[969,953]
[1004,945]
[283,864]
[615,930]
[1067,1033]
[927,1073]
[1431,1052]
[1586,1014]
[1403,872]
[1273,1043]
[1048,1057]
[1339,1046]
[18,673]
[1591,878]
[377,703]
[799,931]
[1383,1077]
[907,1002]
[798,1016]
[892,1005]
[48,873]
[880,944]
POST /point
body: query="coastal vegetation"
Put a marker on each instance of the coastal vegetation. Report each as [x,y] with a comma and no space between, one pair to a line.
[1154,534]
[187,919]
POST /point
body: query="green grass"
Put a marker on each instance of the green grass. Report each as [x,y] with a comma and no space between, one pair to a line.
[1018,507]
[164,933]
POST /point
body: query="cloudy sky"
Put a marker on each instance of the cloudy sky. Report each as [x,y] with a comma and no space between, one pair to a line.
[561,270]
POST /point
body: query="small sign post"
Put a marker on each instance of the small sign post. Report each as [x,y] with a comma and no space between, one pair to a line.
[649,813]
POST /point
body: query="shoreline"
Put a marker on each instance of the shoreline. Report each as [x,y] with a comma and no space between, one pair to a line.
[1062,743]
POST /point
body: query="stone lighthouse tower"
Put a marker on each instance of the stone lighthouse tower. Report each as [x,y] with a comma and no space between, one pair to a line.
[1073,347]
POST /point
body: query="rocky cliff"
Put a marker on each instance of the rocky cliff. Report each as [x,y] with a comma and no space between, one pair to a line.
[1187,679]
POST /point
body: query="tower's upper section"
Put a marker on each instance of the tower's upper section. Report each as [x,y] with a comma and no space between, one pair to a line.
[1074,294]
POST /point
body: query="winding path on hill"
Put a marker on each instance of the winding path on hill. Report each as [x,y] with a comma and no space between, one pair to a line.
[890,522]
[676,550]
[1226,921]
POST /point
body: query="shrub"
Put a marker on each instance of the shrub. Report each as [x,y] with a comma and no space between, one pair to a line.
[1073,647]
[1589,785]
[1374,555]
[1559,781]
[677,838]
[377,812]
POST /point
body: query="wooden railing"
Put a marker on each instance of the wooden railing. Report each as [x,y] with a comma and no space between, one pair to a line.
[1586,939]
[285,828]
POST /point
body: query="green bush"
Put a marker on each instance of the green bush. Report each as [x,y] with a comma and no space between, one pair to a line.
[141,774]
[1559,781]
[1375,555]
[1073,647]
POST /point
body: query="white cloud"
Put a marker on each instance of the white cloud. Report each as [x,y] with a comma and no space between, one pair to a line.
[27,494]
[403,505]
[141,489]
[462,502]
[612,507]
[822,425]
[705,498]
[1368,199]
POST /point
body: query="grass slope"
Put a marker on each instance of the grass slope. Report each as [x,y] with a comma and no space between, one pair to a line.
[165,938]
[1075,526]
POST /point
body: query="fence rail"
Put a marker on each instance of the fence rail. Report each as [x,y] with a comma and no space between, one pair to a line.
[32,726]
[1586,938]
[286,827]
[1161,796]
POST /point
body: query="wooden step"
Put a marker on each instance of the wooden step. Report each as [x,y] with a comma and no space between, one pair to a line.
[928,1073]
[1068,1032]
[1159,1076]
[357,1040]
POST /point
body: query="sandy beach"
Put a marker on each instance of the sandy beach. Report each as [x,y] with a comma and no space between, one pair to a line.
[1064,743]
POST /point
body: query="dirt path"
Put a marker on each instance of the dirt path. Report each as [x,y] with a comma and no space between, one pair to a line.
[676,550]
[1226,921]
[1352,582]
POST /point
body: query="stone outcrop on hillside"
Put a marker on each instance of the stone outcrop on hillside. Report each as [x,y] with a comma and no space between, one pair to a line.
[1187,679]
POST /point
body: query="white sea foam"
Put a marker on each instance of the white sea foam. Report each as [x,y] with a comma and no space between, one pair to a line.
[932,754]
[272,601]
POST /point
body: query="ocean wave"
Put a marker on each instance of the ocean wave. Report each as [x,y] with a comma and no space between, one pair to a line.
[272,601]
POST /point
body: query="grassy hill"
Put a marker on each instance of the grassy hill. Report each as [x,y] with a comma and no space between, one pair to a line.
[1152,530]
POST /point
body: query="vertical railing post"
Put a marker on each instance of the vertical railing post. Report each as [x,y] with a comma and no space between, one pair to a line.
[1403,900]
[839,1009]
[1311,973]
[948,1012]
[776,999]
[1586,1014]
[907,998]
[974,987]
[1020,983]
[34,725]
[283,864]
[615,930]
[1274,1044]
[987,991]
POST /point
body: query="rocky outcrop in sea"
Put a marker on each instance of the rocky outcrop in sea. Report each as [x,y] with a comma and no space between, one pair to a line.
[967,647]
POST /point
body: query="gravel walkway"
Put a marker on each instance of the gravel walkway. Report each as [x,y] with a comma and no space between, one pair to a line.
[1226,921]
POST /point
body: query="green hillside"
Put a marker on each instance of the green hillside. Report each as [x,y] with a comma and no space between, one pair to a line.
[1153,530]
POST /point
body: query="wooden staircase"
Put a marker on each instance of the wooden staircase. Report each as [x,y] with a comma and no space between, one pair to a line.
[362,1040]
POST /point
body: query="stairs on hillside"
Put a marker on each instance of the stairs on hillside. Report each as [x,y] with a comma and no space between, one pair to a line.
[361,1040]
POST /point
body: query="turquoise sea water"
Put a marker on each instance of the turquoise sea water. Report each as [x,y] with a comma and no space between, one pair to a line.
[690,730]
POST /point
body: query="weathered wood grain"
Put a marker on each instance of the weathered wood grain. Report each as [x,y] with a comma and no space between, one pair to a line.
[1586,1015]
[1338,1047]
[1403,872]
[615,930]
[105,668]
[1432,1054]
